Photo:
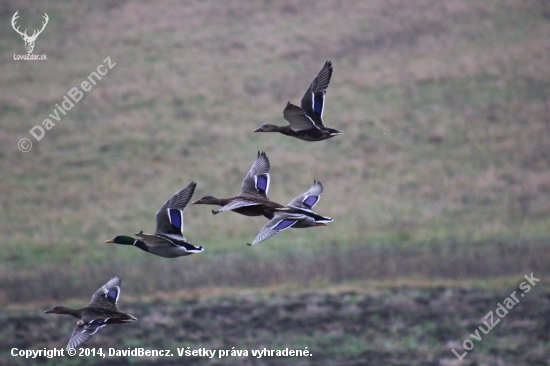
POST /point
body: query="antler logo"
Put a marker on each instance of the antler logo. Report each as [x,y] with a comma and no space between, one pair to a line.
[29,41]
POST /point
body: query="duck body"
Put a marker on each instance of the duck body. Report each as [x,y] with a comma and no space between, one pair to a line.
[308,213]
[252,200]
[101,311]
[311,134]
[249,205]
[285,220]
[168,240]
[306,121]
[298,215]
[167,246]
[158,244]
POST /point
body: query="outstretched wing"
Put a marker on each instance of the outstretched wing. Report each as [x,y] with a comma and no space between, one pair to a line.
[236,204]
[83,334]
[298,119]
[308,199]
[313,101]
[279,222]
[107,295]
[170,215]
[257,179]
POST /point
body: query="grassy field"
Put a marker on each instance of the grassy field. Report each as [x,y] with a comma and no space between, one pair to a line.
[443,171]
[444,107]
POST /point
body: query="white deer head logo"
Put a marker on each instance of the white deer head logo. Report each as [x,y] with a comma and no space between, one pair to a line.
[29,41]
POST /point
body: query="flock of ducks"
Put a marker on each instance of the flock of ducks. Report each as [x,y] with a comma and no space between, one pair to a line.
[305,123]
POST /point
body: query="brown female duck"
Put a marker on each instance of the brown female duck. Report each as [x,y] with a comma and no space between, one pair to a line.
[306,123]
[98,313]
[252,201]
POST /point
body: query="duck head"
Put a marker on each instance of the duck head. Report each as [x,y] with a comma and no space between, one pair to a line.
[207,200]
[66,311]
[121,239]
[57,310]
[268,128]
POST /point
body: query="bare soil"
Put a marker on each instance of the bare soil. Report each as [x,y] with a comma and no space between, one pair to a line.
[397,326]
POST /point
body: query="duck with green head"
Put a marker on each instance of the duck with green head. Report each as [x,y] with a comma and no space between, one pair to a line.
[168,240]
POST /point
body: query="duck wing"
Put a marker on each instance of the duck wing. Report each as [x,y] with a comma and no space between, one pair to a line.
[279,222]
[107,295]
[82,334]
[298,119]
[257,179]
[170,215]
[308,199]
[236,204]
[313,101]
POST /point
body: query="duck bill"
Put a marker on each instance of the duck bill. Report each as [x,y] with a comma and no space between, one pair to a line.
[110,241]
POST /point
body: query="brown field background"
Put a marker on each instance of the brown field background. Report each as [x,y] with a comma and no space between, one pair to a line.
[443,172]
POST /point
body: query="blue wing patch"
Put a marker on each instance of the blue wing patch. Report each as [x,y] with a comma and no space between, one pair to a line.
[284,224]
[112,294]
[261,183]
[311,201]
[318,101]
[175,217]
[98,322]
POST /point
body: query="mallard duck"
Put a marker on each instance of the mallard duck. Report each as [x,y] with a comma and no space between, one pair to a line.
[100,312]
[299,214]
[252,201]
[168,240]
[306,123]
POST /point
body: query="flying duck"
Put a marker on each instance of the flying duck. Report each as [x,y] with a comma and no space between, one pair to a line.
[306,123]
[252,201]
[298,215]
[168,240]
[100,312]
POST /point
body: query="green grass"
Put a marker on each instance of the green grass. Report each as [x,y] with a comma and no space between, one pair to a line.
[444,108]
